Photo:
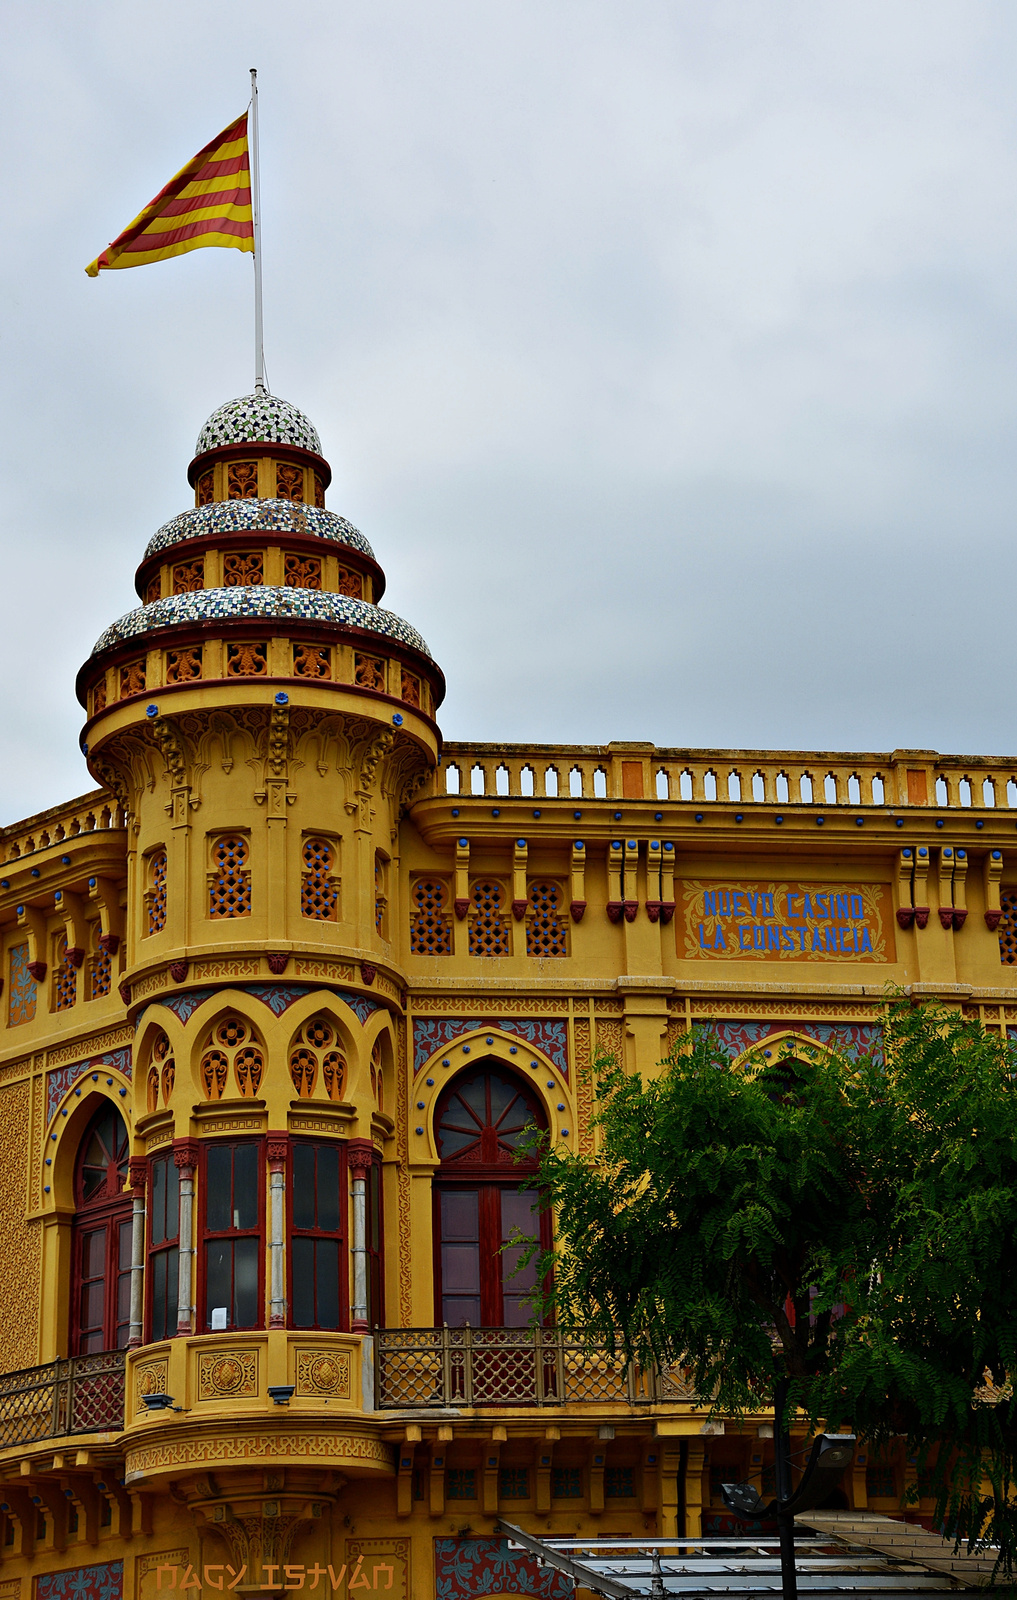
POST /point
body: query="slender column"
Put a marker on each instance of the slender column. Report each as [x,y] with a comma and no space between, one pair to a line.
[185,1157]
[278,1152]
[359,1155]
[138,1178]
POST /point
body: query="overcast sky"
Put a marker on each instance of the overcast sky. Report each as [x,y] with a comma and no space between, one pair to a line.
[665,352]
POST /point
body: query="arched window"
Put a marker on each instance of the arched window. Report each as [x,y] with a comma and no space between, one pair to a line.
[101,1292]
[482,1196]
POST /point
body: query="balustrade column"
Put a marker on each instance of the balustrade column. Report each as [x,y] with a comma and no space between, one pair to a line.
[185,1158]
[138,1176]
[278,1151]
[359,1156]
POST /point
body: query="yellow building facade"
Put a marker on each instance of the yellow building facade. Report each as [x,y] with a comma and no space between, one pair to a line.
[280,997]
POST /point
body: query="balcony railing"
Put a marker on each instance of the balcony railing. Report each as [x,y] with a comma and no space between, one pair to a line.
[419,1368]
[900,778]
[83,1395]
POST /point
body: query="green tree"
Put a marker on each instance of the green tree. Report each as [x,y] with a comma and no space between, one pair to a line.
[845,1224]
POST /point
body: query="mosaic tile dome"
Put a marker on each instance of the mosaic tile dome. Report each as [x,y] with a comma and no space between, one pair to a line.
[295,605]
[272,516]
[257,419]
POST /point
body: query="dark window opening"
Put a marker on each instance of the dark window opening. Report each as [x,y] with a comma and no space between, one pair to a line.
[232,1246]
[484,1197]
[101,1289]
[163,1247]
[318,1293]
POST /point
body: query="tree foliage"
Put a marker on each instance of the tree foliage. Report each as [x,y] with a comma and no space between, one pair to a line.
[850,1224]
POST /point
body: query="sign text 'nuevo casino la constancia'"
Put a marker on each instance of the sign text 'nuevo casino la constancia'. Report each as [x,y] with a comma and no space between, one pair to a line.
[788,921]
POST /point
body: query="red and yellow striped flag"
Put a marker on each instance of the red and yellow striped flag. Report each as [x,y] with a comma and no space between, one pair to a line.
[207,203]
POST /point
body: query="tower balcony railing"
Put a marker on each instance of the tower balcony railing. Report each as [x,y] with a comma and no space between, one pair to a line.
[425,1368]
[82,1395]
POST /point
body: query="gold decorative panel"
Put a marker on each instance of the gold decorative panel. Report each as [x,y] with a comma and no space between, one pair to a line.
[323,1372]
[227,1374]
[150,1377]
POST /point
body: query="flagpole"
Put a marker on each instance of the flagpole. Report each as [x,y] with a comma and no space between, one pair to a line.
[259,344]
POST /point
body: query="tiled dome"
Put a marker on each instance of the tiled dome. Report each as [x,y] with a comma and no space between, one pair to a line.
[259,516]
[257,419]
[287,605]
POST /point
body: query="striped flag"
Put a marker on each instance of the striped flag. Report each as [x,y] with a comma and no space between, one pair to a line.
[207,203]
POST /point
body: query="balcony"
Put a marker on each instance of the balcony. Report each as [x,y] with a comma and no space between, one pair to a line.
[83,1395]
[412,1369]
[424,1368]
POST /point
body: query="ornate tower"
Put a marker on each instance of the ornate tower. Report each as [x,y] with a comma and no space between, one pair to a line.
[261,719]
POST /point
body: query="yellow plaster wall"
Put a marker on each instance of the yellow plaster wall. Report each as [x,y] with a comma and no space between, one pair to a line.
[20,1239]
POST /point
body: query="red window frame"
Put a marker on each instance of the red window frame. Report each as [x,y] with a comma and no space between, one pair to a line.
[162,1253]
[109,1212]
[209,1238]
[316,1236]
[490,1168]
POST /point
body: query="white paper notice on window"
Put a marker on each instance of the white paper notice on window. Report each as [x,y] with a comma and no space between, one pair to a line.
[218,1319]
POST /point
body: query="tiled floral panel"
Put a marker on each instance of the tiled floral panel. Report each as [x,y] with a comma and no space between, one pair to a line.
[852,1038]
[257,419]
[64,1078]
[280,996]
[256,602]
[103,1582]
[467,1567]
[184,1006]
[21,988]
[437,1033]
[257,516]
[277,996]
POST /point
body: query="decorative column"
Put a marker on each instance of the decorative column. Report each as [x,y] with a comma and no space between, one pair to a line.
[185,1157]
[138,1177]
[359,1155]
[278,1152]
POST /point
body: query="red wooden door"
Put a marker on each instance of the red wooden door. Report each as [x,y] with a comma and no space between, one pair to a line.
[482,1196]
[101,1289]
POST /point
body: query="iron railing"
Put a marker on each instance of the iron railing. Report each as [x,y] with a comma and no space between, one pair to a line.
[425,1367]
[83,1395]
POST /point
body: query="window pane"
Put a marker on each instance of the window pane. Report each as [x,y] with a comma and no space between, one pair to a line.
[164,1294]
[158,1201]
[460,1257]
[245,1186]
[327,1253]
[303,1186]
[218,1276]
[502,1096]
[158,1270]
[245,1282]
[328,1189]
[219,1172]
[303,1283]
[92,1298]
[518,1212]
[460,1214]
[172,1200]
[124,1261]
[94,1254]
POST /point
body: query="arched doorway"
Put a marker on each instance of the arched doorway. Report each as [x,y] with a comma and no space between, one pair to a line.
[101,1290]
[482,1195]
